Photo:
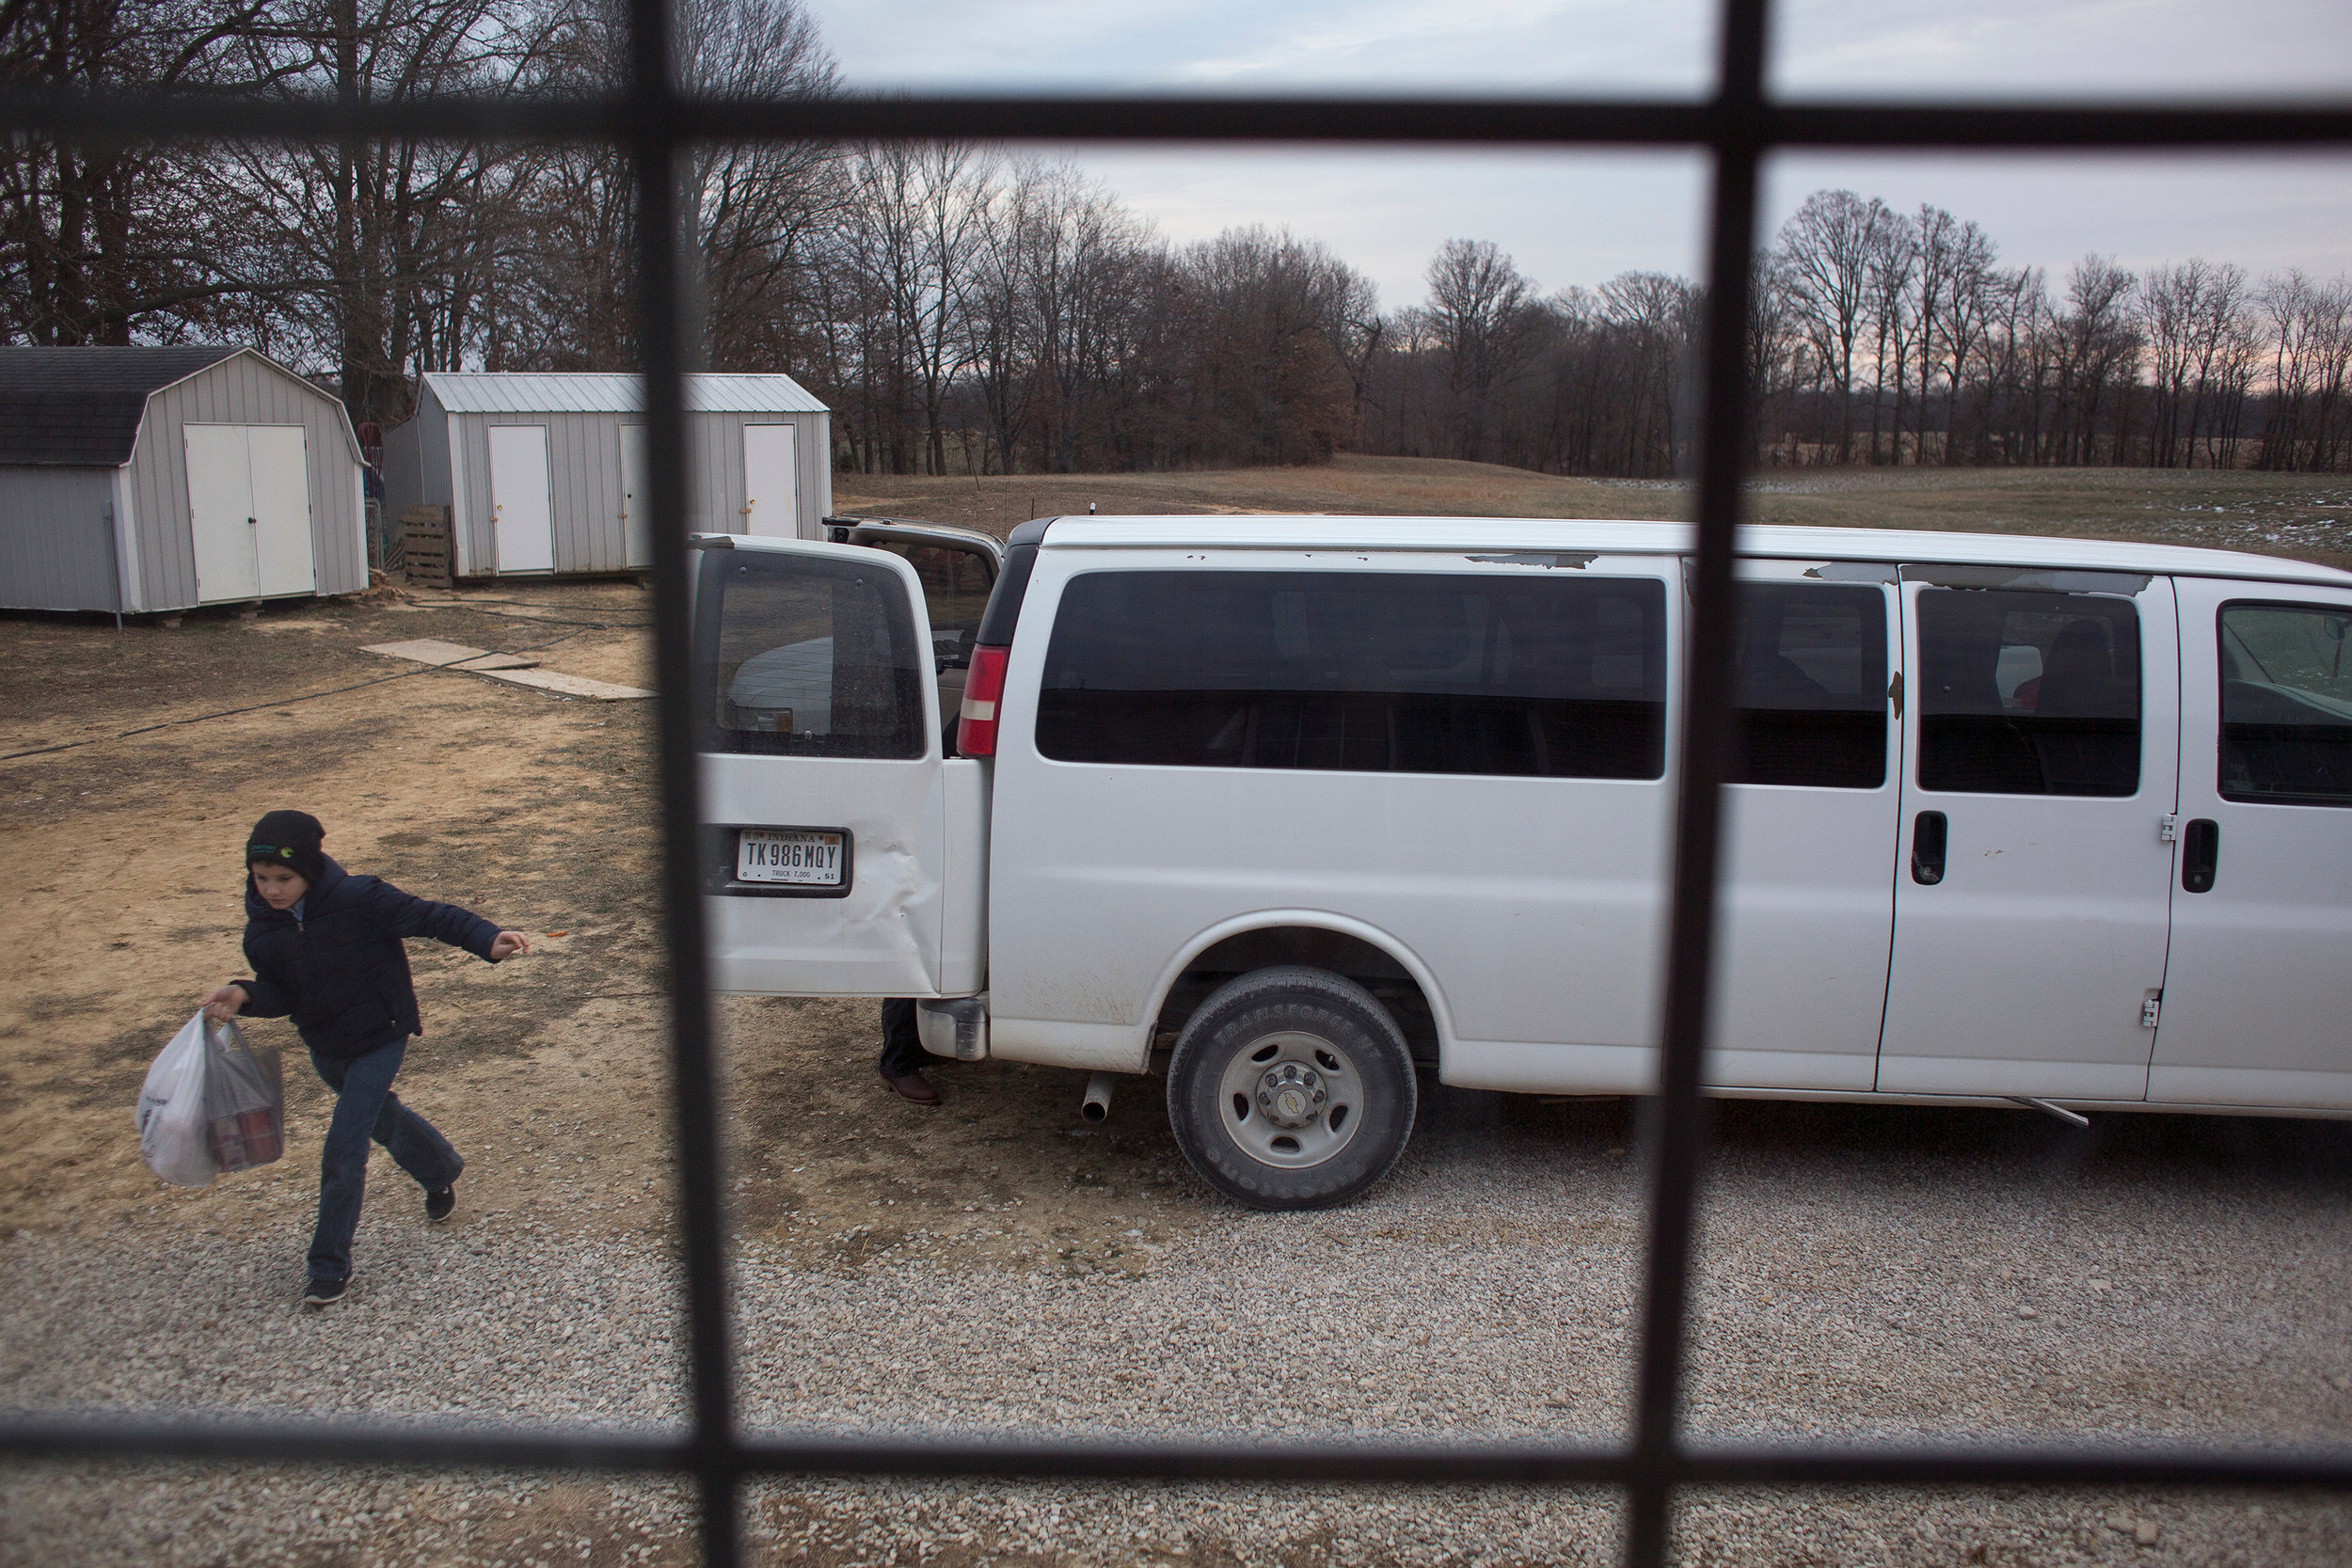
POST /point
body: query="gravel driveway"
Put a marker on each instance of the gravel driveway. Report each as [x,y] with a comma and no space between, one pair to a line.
[1868,1273]
[995,1263]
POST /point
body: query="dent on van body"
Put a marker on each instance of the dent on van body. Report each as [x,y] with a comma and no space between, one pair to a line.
[882,938]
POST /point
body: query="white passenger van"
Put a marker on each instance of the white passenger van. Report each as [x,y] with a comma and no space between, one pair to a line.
[2066,821]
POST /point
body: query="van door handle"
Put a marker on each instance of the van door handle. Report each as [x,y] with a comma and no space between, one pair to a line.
[1927,833]
[2201,849]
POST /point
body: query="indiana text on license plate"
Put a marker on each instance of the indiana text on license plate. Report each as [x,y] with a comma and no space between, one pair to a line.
[786,855]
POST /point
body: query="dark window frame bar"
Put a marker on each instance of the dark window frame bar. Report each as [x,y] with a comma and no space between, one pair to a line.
[1737,127]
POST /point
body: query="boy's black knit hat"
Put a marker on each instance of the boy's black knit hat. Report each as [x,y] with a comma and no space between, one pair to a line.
[291,839]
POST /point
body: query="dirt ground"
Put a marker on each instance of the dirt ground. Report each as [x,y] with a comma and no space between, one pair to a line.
[537,812]
[118,852]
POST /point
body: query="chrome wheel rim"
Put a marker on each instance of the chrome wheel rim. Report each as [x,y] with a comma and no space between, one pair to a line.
[1291,1099]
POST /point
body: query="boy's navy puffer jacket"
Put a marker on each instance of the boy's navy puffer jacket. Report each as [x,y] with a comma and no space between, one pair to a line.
[341,970]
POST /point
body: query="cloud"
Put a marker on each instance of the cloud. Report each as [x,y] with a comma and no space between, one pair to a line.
[2077,48]
[1582,217]
[1475,46]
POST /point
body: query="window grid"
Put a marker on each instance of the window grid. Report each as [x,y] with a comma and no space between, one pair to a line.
[1737,127]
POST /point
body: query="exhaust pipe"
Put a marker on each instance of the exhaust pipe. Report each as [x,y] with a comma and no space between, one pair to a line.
[1097,1103]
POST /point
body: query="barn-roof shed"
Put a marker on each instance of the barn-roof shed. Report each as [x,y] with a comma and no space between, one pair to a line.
[157,479]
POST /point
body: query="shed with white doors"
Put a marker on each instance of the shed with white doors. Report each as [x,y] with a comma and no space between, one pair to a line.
[545,472]
[160,479]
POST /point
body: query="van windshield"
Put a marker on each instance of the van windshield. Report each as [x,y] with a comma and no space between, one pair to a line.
[1377,671]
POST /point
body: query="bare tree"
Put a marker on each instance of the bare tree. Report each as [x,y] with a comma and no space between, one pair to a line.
[1478,308]
[1826,253]
[1658,316]
[1892,263]
[2102,343]
[1268,326]
[106,241]
[2311,343]
[1962,307]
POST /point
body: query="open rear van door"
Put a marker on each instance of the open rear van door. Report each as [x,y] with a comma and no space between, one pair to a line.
[841,850]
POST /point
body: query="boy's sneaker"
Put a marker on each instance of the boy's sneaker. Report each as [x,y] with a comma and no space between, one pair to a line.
[440,1201]
[325,1293]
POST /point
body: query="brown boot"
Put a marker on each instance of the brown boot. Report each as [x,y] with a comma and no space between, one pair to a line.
[913,1086]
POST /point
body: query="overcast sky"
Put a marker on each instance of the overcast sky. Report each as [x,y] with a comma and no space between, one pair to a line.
[1581,219]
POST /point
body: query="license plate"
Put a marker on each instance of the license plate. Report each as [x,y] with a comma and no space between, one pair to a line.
[788,855]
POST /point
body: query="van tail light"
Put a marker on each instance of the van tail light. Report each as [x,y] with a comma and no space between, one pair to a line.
[983,688]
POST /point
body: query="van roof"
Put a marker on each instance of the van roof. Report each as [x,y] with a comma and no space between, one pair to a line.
[1651,538]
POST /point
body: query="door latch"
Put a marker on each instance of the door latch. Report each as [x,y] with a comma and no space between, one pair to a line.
[2148,1010]
[2167,829]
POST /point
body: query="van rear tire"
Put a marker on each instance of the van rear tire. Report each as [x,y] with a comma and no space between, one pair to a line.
[1291,1088]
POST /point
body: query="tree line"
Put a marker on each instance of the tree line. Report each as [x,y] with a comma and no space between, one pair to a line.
[965,309]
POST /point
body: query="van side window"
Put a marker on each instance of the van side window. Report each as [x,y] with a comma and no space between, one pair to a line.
[2286,705]
[806,658]
[2028,693]
[1809,692]
[1562,677]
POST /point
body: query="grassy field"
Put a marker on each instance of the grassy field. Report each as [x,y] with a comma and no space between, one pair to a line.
[2307,517]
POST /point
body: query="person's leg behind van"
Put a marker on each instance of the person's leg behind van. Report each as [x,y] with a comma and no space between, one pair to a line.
[902,1053]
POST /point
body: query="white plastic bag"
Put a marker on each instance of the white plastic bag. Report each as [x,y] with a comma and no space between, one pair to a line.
[245,1101]
[173,1131]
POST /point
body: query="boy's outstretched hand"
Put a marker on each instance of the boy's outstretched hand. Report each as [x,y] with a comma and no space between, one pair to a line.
[222,1004]
[507,944]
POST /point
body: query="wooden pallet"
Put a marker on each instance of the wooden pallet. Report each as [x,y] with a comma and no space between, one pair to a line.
[424,547]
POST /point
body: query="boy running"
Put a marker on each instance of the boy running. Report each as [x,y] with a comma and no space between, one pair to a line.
[325,947]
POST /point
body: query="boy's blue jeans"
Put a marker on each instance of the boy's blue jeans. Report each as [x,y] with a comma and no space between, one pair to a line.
[366,1108]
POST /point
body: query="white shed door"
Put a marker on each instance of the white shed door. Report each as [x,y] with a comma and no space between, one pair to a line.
[636,512]
[770,496]
[249,511]
[281,508]
[522,513]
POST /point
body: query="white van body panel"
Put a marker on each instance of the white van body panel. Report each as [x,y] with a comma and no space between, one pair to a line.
[2026,971]
[883,937]
[1537,904]
[2258,996]
[963,908]
[1128,1047]
[1356,536]
[911,923]
[1809,909]
[1529,911]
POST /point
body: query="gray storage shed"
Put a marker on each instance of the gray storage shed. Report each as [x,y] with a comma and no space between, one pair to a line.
[159,479]
[542,472]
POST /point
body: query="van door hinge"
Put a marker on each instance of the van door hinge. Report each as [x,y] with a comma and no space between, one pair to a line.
[2148,1010]
[2167,830]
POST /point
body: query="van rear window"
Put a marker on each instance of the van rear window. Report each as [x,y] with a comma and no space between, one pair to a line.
[1559,676]
[797,656]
